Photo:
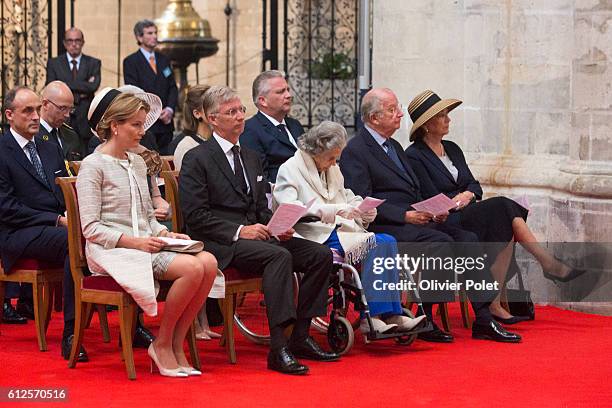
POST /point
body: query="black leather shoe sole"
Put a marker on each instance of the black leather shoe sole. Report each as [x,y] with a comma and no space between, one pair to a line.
[290,371]
[315,357]
[14,320]
[501,339]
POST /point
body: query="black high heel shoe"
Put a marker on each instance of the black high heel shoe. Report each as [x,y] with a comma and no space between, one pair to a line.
[574,273]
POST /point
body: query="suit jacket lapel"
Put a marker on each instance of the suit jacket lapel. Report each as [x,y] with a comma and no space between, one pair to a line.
[221,159]
[274,131]
[378,152]
[22,159]
[435,161]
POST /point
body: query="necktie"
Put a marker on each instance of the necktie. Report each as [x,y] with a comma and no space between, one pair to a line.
[55,137]
[152,63]
[31,147]
[396,160]
[74,68]
[238,172]
[281,127]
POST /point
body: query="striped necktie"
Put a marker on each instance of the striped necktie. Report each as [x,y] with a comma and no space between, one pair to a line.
[31,147]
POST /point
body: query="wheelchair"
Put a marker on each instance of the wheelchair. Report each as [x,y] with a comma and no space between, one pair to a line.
[346,301]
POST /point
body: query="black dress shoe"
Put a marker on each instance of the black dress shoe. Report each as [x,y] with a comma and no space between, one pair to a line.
[494,331]
[310,350]
[436,335]
[142,337]
[10,315]
[283,361]
[67,346]
[510,320]
[26,309]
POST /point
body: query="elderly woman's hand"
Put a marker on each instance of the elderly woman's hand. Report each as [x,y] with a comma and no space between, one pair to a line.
[369,216]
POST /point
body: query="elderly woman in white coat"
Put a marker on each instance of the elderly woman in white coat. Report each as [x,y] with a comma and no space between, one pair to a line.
[122,232]
[312,173]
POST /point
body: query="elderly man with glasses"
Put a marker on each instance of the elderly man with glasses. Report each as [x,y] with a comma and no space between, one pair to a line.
[57,105]
[82,75]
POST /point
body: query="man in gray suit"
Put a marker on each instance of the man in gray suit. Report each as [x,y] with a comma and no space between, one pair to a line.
[82,75]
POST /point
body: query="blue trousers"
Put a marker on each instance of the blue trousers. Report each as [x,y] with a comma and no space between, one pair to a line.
[385,303]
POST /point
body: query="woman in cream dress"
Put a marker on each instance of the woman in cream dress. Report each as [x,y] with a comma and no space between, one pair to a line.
[122,232]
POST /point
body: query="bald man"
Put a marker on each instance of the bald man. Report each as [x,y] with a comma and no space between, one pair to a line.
[57,104]
[82,75]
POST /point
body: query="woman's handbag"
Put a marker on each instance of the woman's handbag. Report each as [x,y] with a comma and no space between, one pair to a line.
[519,300]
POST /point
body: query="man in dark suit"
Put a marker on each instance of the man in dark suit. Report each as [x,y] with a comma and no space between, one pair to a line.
[374,164]
[82,75]
[152,72]
[222,195]
[32,221]
[57,103]
[271,132]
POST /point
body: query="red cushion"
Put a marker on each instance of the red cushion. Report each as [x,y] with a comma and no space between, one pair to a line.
[101,283]
[34,264]
[235,274]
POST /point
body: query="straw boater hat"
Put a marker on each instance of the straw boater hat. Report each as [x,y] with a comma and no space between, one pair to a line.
[106,96]
[425,106]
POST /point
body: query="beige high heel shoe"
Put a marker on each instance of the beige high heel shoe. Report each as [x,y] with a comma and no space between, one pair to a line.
[166,372]
[190,370]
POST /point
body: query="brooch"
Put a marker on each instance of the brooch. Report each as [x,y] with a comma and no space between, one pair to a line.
[45,137]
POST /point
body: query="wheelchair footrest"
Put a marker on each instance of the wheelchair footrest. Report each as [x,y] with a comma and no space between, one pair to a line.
[381,336]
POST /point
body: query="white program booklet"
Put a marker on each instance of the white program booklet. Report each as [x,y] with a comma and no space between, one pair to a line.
[436,205]
[286,216]
[182,245]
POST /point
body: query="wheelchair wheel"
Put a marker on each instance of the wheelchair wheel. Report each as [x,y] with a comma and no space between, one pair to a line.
[321,323]
[406,340]
[250,318]
[340,335]
[250,314]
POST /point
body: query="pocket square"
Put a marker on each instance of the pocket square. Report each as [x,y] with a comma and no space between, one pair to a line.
[259,178]
[58,171]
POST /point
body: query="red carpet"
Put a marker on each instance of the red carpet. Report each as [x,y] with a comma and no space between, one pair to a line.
[564,361]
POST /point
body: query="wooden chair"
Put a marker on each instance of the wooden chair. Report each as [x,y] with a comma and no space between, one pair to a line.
[100,290]
[44,278]
[236,282]
[167,163]
[74,167]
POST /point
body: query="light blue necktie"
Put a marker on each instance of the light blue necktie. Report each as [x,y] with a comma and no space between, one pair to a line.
[31,147]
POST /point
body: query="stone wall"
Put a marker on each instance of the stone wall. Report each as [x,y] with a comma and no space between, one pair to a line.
[535,78]
[99,21]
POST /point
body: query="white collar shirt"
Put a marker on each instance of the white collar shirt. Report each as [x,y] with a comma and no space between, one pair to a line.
[276,123]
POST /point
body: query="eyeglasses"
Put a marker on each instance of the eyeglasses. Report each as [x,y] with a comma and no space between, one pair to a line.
[73,41]
[232,113]
[395,109]
[63,109]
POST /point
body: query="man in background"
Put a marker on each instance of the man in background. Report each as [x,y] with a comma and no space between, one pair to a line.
[271,133]
[151,71]
[82,75]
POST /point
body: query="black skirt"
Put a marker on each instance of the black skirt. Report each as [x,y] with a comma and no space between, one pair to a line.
[491,219]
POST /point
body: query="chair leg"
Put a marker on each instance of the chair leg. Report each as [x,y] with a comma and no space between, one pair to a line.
[193,348]
[103,322]
[222,339]
[228,327]
[39,314]
[443,310]
[127,319]
[89,317]
[80,315]
[48,301]
[465,310]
